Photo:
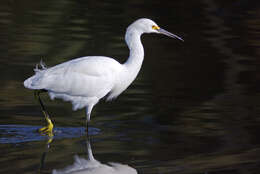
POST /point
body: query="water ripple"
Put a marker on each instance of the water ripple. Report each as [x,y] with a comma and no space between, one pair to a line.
[27,133]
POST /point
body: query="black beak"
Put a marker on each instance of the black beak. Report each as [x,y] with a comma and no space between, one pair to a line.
[167,33]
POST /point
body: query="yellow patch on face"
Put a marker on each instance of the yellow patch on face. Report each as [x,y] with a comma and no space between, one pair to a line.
[155,27]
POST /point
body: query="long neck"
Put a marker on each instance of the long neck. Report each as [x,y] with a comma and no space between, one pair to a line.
[133,64]
[136,56]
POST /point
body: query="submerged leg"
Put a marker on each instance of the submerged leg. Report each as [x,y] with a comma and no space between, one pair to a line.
[44,154]
[89,150]
[47,129]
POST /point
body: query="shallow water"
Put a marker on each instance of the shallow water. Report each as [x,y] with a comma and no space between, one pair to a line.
[193,109]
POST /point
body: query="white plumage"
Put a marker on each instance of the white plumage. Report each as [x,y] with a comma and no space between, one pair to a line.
[84,81]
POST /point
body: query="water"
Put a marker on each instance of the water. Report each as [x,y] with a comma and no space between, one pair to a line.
[194,108]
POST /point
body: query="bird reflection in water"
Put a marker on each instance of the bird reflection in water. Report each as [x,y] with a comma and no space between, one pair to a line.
[44,154]
[92,166]
[89,166]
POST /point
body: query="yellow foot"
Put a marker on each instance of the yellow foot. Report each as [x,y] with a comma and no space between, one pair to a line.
[47,130]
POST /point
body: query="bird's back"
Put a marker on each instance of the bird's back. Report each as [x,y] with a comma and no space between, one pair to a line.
[86,76]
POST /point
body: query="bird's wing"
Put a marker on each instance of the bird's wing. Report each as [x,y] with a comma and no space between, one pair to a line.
[91,65]
[87,76]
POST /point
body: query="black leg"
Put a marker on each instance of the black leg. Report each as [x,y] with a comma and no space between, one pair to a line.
[37,95]
[48,129]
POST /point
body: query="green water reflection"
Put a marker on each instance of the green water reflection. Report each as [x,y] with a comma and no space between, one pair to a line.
[193,109]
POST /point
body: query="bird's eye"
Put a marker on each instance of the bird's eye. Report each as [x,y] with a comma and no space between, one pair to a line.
[154,27]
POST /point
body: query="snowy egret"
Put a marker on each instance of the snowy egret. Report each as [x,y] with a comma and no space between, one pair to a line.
[84,81]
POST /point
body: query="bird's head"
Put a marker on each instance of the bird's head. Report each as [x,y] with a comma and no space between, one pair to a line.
[145,25]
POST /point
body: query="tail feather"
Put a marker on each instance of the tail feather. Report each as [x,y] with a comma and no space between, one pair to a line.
[43,67]
[34,82]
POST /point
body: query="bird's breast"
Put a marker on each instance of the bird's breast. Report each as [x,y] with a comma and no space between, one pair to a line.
[122,81]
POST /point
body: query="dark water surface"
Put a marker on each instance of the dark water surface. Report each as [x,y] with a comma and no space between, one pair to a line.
[193,109]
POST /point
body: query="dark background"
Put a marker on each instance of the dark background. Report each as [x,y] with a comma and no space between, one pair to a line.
[193,109]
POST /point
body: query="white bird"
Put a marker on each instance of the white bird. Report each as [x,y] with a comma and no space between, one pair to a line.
[84,81]
[93,166]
